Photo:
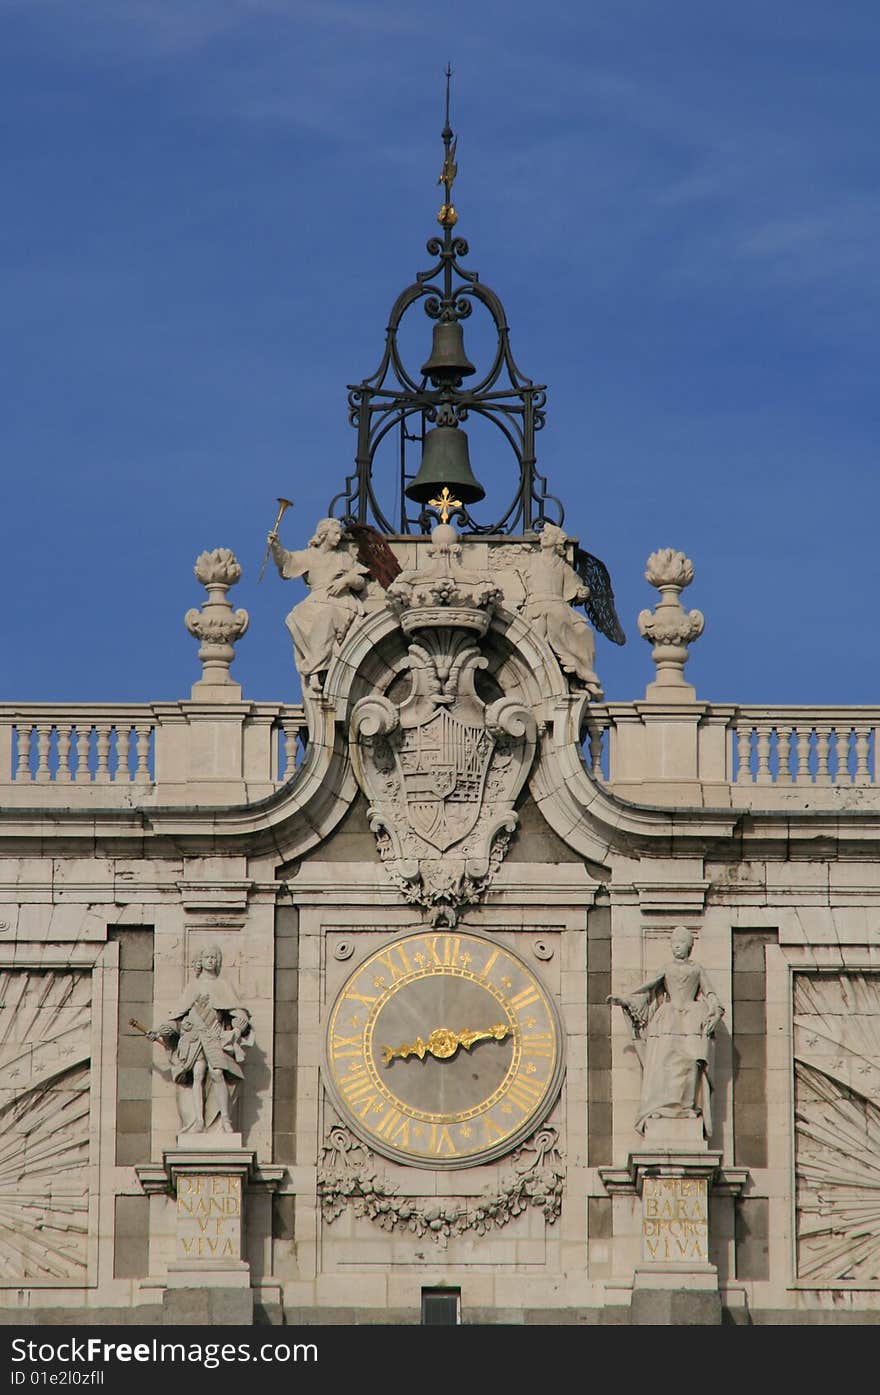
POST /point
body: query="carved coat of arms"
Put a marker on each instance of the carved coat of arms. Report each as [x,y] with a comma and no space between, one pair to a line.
[441,770]
[443,764]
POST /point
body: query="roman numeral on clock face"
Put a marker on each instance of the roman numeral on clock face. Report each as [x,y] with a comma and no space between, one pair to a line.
[525,1093]
[524,998]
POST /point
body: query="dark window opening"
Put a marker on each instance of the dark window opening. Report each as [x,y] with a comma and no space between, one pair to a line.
[441,1307]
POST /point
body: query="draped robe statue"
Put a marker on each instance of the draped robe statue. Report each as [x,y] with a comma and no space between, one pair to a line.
[674,1015]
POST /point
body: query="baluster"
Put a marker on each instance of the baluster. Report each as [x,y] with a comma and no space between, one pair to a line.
[596,734]
[783,751]
[744,755]
[7,746]
[102,768]
[64,772]
[23,764]
[763,775]
[123,752]
[275,738]
[863,768]
[44,734]
[823,751]
[142,773]
[83,751]
[291,736]
[841,750]
[803,755]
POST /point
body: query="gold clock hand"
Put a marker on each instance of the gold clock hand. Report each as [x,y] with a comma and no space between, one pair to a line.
[496,1033]
[418,1048]
[444,1043]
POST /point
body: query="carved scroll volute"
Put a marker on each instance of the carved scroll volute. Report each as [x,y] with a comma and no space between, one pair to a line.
[374,716]
[513,718]
[373,720]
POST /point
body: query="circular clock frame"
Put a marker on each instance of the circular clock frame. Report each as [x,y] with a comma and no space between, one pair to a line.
[443,1049]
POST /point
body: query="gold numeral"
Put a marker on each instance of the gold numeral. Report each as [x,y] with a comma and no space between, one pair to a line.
[440,1140]
[447,955]
[528,995]
[359,997]
[355,1071]
[493,1131]
[537,1044]
[396,971]
[525,1093]
[356,1080]
[394,1127]
[490,963]
[361,1095]
[345,1046]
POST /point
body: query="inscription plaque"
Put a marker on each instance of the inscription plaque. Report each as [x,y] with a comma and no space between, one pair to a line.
[208,1217]
[675,1219]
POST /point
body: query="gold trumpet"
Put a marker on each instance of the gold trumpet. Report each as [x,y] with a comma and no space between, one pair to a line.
[282,505]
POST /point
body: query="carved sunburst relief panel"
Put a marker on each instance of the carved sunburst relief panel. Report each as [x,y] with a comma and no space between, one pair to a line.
[837,1121]
[44,1124]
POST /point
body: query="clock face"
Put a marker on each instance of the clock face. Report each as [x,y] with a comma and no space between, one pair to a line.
[443,1049]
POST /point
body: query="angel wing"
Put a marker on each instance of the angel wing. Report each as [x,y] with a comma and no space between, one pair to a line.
[374,553]
[600,605]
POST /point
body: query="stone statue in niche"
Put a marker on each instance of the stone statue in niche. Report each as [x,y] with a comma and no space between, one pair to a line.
[553,587]
[674,1015]
[206,1034]
[335,579]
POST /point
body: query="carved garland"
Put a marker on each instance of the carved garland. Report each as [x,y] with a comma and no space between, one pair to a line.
[449,890]
[346,1177]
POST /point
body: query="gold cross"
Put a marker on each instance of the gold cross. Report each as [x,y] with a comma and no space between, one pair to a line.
[445,504]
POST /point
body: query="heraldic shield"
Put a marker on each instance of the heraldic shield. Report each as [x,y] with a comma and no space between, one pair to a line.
[442,770]
[443,765]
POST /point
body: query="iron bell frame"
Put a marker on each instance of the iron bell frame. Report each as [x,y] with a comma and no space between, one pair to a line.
[394,399]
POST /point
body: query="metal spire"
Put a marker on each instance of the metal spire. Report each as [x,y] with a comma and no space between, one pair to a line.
[447,217]
[410,405]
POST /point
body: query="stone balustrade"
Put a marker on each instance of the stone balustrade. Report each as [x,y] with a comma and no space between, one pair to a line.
[805,746]
[107,754]
[723,754]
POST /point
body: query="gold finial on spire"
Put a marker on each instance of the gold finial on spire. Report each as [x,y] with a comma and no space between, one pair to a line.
[450,168]
[447,217]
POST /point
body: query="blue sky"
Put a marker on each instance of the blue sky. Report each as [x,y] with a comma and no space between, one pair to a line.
[210,206]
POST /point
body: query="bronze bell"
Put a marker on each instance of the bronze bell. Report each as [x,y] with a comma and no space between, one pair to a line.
[445,461]
[448,362]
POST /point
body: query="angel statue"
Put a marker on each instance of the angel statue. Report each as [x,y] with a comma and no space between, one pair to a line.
[335,579]
[673,1016]
[347,569]
[553,587]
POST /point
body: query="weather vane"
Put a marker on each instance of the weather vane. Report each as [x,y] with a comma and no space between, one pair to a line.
[447,217]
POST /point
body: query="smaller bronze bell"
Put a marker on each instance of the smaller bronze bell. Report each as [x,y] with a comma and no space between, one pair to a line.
[445,461]
[448,362]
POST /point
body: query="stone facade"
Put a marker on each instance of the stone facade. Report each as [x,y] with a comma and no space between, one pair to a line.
[427,885]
